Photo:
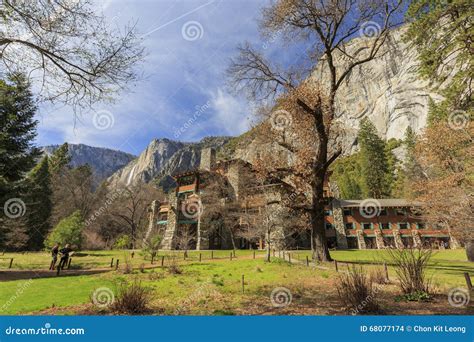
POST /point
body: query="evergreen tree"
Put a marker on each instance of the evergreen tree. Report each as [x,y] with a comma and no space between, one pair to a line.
[374,165]
[59,159]
[17,157]
[39,204]
[443,34]
[69,230]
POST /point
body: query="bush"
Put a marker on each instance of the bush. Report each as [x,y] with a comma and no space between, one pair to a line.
[68,230]
[132,299]
[410,267]
[356,291]
[377,276]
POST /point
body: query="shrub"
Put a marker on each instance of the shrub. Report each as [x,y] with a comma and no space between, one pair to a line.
[377,276]
[132,298]
[173,267]
[68,230]
[410,267]
[356,291]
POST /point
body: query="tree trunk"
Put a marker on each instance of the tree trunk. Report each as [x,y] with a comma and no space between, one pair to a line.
[318,226]
[470,250]
[268,252]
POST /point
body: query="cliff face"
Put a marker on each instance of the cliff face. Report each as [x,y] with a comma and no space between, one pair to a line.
[388,90]
[103,161]
[161,159]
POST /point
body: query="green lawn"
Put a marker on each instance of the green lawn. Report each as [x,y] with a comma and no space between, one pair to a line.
[447,267]
[98,259]
[202,287]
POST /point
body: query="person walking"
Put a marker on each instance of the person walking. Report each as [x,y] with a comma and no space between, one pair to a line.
[54,256]
[64,256]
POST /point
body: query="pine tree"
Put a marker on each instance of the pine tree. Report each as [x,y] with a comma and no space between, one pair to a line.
[59,159]
[17,156]
[374,163]
[39,204]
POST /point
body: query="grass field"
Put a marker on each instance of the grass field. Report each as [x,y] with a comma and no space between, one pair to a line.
[214,287]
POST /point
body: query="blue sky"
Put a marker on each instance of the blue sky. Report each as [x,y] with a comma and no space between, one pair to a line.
[184,77]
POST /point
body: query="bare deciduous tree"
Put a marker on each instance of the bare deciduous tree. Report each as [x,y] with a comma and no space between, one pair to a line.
[68,52]
[326,26]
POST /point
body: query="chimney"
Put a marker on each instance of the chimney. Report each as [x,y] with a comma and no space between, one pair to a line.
[208,159]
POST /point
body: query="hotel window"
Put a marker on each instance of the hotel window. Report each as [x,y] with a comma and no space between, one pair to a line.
[328,226]
[366,225]
[350,225]
[401,212]
[403,225]
[421,225]
[327,212]
[385,225]
[383,212]
[347,212]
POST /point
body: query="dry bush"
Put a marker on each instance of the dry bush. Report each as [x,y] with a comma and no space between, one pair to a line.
[377,276]
[132,299]
[357,292]
[410,266]
[173,267]
[142,268]
[128,268]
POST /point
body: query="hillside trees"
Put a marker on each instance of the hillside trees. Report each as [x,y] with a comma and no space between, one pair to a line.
[325,26]
[68,50]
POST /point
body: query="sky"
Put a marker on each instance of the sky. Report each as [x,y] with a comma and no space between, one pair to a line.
[184,95]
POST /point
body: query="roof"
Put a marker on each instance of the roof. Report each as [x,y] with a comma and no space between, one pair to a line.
[381,202]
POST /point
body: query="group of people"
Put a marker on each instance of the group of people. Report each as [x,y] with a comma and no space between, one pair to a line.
[55,251]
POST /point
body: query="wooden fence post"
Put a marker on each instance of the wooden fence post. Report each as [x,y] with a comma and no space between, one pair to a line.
[386,271]
[69,263]
[289,258]
[307,261]
[117,264]
[254,254]
[212,254]
[335,264]
[200,257]
[112,263]
[133,254]
[230,256]
[243,283]
[162,261]
[11,262]
[58,269]
[468,281]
